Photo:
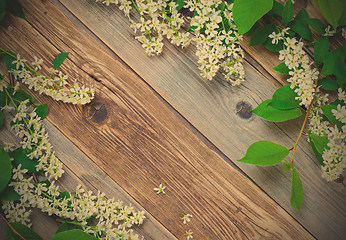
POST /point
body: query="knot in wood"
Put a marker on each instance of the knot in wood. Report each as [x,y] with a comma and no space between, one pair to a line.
[243,109]
[98,112]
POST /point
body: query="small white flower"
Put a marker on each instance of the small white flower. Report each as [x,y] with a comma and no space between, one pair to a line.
[160,189]
[328,32]
[186,217]
[189,234]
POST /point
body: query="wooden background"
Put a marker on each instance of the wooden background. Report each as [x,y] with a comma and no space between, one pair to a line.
[155,120]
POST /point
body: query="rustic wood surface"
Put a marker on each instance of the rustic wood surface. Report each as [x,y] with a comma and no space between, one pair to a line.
[134,136]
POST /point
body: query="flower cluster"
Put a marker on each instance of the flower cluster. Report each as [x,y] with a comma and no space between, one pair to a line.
[303,76]
[158,19]
[217,40]
[55,86]
[34,139]
[111,219]
[335,154]
[216,35]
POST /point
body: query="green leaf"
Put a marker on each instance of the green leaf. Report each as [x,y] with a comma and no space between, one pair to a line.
[297,194]
[316,24]
[316,153]
[327,111]
[285,98]
[302,28]
[9,194]
[8,59]
[269,113]
[2,9]
[21,95]
[328,84]
[273,47]
[42,110]
[180,3]
[59,59]
[276,10]
[75,234]
[5,169]
[20,157]
[287,13]
[331,9]
[64,195]
[302,15]
[247,12]
[14,7]
[2,117]
[25,232]
[282,68]
[286,166]
[320,142]
[3,98]
[321,50]
[265,153]
[260,35]
[65,227]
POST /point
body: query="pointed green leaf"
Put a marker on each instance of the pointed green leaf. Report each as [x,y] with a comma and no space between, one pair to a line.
[321,50]
[65,227]
[286,166]
[327,111]
[5,169]
[3,98]
[75,234]
[21,95]
[297,194]
[20,157]
[316,153]
[9,194]
[287,13]
[285,98]
[328,84]
[269,113]
[276,10]
[282,68]
[8,59]
[302,15]
[180,3]
[320,142]
[14,7]
[331,9]
[59,59]
[316,24]
[260,35]
[42,110]
[247,12]
[264,153]
[2,117]
[273,47]
[2,9]
[25,232]
[302,28]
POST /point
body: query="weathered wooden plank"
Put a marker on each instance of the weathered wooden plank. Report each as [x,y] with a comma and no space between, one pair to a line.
[211,108]
[79,169]
[140,143]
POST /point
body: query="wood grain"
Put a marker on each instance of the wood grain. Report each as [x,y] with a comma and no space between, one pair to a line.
[140,143]
[211,108]
[79,169]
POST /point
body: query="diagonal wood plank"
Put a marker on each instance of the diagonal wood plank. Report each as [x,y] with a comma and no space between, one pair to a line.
[211,108]
[139,143]
[79,169]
